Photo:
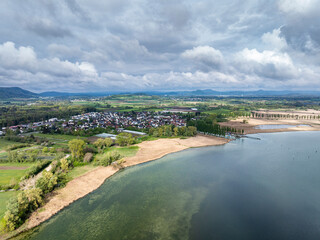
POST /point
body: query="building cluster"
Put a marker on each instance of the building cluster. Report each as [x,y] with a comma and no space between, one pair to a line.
[126,119]
[107,119]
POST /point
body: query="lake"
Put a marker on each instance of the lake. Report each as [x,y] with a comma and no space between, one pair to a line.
[246,189]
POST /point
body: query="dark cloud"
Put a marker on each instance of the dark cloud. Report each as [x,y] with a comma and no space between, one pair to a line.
[47,28]
[77,9]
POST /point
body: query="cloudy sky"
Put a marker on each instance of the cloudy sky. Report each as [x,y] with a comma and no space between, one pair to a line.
[137,45]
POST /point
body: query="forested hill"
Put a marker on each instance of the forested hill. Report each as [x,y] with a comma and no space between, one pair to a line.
[15,92]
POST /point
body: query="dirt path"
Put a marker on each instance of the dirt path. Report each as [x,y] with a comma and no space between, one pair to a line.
[81,186]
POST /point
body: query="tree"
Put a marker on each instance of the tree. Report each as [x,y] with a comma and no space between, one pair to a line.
[124,139]
[20,207]
[47,182]
[76,147]
[108,142]
[176,131]
[192,131]
[64,164]
[100,144]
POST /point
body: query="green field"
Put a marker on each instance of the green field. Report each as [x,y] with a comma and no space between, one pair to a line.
[4,144]
[4,197]
[59,140]
[9,174]
[57,136]
[6,176]
[124,151]
[78,171]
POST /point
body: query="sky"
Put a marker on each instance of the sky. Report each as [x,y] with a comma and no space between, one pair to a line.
[144,45]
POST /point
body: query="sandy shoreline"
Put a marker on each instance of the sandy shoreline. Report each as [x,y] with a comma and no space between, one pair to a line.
[148,151]
[249,127]
[90,181]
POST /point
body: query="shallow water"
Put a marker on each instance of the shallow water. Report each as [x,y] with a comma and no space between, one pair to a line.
[279,126]
[247,189]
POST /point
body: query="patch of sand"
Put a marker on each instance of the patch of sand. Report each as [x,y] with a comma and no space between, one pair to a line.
[81,186]
[249,127]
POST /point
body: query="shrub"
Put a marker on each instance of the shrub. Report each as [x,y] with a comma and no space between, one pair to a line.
[64,165]
[88,157]
[14,147]
[35,169]
[63,150]
[62,179]
[124,139]
[45,150]
[90,150]
[108,158]
[47,182]
[79,164]
[52,150]
[108,142]
[19,208]
[9,186]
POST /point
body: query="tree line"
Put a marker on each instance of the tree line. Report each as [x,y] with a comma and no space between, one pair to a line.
[209,124]
[15,115]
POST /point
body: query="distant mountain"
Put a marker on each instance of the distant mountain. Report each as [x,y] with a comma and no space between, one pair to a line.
[204,92]
[56,94]
[16,92]
[67,94]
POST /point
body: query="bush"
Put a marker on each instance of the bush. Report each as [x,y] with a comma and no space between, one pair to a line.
[108,142]
[63,150]
[9,186]
[79,164]
[64,165]
[62,179]
[108,158]
[90,150]
[124,139]
[34,170]
[14,147]
[47,182]
[19,208]
[88,157]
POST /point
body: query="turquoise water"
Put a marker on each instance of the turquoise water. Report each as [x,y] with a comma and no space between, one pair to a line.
[247,189]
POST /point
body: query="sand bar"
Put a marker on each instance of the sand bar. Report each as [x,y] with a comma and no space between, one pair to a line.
[249,127]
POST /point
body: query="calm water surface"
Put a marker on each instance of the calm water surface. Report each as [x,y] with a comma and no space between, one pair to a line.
[247,189]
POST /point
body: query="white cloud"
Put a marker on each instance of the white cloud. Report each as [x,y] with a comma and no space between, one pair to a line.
[23,63]
[205,55]
[15,58]
[120,44]
[268,64]
[274,40]
[297,6]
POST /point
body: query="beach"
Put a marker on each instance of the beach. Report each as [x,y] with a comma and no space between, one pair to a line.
[250,126]
[83,185]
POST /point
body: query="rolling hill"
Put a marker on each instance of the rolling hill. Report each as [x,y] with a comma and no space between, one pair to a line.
[16,92]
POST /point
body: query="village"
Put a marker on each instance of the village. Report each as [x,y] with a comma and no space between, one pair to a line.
[92,120]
